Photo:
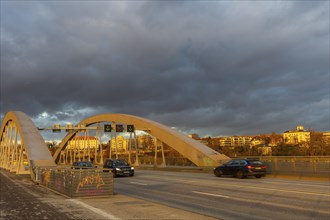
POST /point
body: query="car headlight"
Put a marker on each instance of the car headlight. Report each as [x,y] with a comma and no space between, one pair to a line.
[132,168]
[117,169]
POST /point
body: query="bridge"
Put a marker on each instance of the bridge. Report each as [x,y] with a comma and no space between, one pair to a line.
[194,195]
[23,149]
[158,194]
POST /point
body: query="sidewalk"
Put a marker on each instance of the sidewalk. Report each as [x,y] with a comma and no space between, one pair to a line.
[123,207]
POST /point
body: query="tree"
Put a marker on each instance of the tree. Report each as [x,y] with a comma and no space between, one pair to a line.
[289,150]
[275,139]
[318,145]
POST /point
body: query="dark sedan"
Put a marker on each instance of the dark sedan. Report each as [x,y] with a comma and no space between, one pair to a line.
[241,168]
[119,167]
[83,165]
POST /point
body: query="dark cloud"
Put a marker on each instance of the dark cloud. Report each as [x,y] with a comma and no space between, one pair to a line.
[216,68]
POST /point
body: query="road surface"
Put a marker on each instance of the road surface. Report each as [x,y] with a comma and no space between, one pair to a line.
[230,198]
[171,195]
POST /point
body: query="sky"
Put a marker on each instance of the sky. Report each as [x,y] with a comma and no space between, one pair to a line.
[215,68]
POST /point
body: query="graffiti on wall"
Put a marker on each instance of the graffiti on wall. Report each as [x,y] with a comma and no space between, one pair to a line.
[77,183]
[94,180]
[45,177]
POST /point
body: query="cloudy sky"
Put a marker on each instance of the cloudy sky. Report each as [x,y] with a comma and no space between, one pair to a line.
[209,67]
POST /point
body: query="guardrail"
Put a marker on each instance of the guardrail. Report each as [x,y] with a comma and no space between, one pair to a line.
[309,166]
[298,166]
[77,183]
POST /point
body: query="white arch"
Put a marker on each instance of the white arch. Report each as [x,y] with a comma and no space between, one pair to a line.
[31,140]
[198,153]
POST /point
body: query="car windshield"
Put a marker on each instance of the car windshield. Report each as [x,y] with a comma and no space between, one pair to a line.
[120,163]
[83,164]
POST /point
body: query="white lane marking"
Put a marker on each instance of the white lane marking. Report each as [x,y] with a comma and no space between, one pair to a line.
[210,194]
[295,183]
[137,183]
[96,210]
[298,192]
[285,190]
[272,189]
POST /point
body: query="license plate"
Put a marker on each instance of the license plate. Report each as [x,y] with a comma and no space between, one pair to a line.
[258,168]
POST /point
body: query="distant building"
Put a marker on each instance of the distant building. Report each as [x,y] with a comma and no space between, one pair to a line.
[83,142]
[120,143]
[257,141]
[225,141]
[298,136]
[235,141]
[326,137]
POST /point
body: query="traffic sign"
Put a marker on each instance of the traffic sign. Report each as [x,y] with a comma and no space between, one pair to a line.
[107,128]
[119,128]
[130,128]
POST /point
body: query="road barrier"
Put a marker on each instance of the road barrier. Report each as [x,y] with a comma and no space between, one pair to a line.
[77,183]
[316,166]
[309,166]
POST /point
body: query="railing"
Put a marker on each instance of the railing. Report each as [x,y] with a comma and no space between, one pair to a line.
[311,166]
[317,166]
[77,183]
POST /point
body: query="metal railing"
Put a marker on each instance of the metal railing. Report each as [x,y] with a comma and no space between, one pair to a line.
[309,166]
[317,166]
[77,183]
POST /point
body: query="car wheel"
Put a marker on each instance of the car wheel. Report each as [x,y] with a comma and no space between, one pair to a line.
[240,174]
[258,176]
[217,172]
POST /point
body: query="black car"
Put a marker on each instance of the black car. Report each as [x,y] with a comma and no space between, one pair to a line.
[83,165]
[119,167]
[241,168]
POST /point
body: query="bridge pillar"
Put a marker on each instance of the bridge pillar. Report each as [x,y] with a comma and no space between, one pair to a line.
[159,144]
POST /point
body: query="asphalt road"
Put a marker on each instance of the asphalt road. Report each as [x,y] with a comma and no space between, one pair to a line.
[230,198]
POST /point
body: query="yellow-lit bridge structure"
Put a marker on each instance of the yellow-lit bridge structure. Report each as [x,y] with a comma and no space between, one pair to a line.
[23,149]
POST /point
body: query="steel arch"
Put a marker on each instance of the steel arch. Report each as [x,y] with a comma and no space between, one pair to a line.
[31,141]
[196,152]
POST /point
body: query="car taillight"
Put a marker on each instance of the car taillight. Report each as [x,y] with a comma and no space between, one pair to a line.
[248,166]
[263,167]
